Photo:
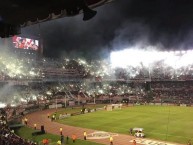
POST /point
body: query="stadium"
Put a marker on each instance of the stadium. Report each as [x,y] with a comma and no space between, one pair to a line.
[139,94]
[159,89]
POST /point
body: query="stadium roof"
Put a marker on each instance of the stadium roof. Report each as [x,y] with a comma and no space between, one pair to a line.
[20,13]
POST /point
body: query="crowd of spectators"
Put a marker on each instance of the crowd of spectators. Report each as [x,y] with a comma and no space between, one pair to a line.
[51,69]
[77,79]
[29,69]
[178,92]
[7,136]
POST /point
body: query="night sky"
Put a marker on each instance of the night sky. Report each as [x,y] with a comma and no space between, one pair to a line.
[118,25]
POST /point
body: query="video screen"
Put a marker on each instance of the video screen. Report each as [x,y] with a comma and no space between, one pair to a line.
[25,43]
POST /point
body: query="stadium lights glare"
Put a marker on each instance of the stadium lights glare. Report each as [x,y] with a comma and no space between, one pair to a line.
[2,105]
[136,58]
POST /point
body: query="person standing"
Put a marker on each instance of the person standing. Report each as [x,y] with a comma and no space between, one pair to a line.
[53,117]
[73,138]
[67,139]
[59,142]
[35,125]
[131,131]
[60,130]
[48,115]
[45,141]
[62,139]
[111,140]
[134,142]
[26,121]
[85,135]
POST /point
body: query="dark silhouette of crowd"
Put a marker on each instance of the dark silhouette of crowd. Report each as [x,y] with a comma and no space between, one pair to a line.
[7,136]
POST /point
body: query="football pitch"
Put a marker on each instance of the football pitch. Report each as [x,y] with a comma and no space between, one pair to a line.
[167,123]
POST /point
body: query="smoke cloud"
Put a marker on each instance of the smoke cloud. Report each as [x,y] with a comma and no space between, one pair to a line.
[118,25]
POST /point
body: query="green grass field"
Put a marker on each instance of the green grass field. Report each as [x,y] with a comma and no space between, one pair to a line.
[167,123]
